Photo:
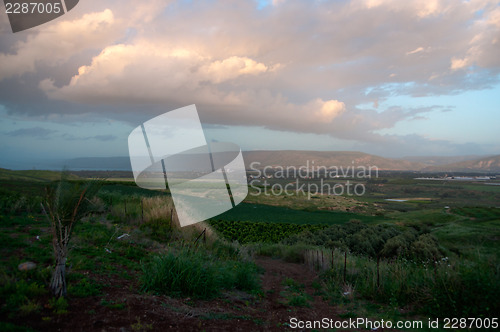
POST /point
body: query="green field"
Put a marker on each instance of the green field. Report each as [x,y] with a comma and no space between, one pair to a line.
[279,214]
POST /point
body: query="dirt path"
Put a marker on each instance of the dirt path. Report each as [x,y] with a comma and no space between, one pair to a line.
[278,311]
[235,311]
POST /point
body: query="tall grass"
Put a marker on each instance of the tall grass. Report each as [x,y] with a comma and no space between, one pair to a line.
[289,253]
[438,288]
[137,208]
[197,273]
[158,208]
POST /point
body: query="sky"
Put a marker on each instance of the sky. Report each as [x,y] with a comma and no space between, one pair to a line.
[386,77]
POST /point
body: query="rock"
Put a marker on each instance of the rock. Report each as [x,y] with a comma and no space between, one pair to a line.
[26,266]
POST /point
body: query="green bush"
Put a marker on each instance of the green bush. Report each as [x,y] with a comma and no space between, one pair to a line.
[20,298]
[197,274]
[12,202]
[438,288]
[295,253]
[269,250]
[59,305]
[225,250]
[251,232]
[425,248]
[387,240]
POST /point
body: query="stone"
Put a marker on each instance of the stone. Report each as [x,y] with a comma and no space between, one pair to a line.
[26,266]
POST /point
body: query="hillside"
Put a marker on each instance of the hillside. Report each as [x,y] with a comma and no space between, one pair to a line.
[328,159]
[486,164]
[298,158]
[442,160]
[32,175]
[266,158]
[99,163]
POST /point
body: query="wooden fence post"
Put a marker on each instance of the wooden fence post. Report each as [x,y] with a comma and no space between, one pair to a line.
[202,233]
[322,262]
[378,271]
[309,259]
[317,259]
[345,264]
[142,211]
[332,260]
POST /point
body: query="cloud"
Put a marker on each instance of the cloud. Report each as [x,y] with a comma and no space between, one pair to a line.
[459,63]
[329,110]
[292,66]
[35,132]
[104,138]
[421,9]
[57,44]
[100,138]
[232,67]
[154,72]
[417,50]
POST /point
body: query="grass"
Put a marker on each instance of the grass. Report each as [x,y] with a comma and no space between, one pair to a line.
[82,286]
[446,288]
[25,236]
[428,217]
[5,326]
[59,305]
[197,274]
[478,213]
[112,304]
[294,293]
[289,253]
[20,298]
[471,239]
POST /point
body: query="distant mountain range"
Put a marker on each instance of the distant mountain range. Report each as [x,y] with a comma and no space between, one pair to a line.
[327,159]
[486,164]
[324,158]
[441,160]
[98,163]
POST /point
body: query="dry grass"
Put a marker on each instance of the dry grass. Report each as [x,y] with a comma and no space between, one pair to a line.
[161,209]
[158,208]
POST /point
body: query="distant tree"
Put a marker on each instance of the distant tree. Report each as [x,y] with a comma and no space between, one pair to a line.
[65,204]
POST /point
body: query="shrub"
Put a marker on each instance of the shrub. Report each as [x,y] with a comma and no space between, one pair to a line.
[19,298]
[390,241]
[425,248]
[251,232]
[269,250]
[197,274]
[439,289]
[59,305]
[84,288]
[225,250]
[295,253]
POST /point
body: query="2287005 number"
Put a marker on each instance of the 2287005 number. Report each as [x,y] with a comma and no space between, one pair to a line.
[33,8]
[470,323]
